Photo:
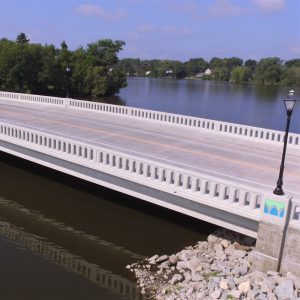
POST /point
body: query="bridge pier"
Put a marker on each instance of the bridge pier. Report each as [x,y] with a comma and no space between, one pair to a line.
[291,253]
[272,252]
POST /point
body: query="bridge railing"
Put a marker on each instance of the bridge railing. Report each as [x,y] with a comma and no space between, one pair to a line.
[188,121]
[236,198]
[244,131]
[39,99]
[181,120]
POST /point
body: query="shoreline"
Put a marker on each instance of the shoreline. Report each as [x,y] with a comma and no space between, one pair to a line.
[219,268]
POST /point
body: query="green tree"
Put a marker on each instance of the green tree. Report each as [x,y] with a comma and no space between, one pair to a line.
[292,63]
[221,74]
[251,64]
[130,66]
[291,76]
[195,66]
[216,62]
[28,67]
[22,39]
[240,74]
[233,62]
[268,70]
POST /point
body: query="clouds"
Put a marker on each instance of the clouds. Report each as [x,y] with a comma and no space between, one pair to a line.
[269,6]
[98,11]
[226,8]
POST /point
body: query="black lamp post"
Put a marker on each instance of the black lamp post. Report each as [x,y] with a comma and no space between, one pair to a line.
[289,105]
[68,69]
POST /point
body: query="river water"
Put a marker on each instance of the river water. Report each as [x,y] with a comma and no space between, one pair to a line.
[62,238]
[254,105]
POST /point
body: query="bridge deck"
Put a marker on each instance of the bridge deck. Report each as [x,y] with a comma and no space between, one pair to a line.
[255,163]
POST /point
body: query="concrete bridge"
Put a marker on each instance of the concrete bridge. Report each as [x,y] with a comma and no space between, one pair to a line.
[215,171]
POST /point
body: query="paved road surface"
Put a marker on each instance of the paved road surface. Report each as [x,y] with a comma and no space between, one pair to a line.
[254,163]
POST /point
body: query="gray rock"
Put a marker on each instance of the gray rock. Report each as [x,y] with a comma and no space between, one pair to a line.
[176,278]
[216,294]
[271,296]
[162,258]
[187,276]
[164,265]
[195,265]
[231,283]
[196,277]
[244,287]
[296,280]
[182,265]
[225,243]
[258,276]
[216,279]
[238,246]
[173,259]
[261,296]
[229,250]
[252,294]
[239,253]
[154,257]
[186,254]
[212,239]
[201,295]
[224,284]
[272,273]
[285,289]
[235,293]
[240,270]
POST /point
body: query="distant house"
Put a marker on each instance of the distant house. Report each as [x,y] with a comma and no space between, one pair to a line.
[206,72]
[169,72]
[148,73]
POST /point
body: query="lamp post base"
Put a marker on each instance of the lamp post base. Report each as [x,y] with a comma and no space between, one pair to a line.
[278,191]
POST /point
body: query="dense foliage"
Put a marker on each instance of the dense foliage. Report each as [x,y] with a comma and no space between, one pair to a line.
[34,68]
[271,70]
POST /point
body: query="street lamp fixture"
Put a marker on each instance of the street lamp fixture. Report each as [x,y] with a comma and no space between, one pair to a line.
[289,103]
[68,69]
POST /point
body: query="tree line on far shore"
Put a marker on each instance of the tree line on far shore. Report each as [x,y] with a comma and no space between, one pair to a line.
[90,71]
[95,70]
[270,70]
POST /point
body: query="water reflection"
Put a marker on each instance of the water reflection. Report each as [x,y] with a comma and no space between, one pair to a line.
[266,94]
[12,214]
[78,224]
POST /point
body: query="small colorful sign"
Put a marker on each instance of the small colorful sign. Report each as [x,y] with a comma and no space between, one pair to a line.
[274,208]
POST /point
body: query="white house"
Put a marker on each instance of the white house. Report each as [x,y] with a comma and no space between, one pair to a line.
[207,72]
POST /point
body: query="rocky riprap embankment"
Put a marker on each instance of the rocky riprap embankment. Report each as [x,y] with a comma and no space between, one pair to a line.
[219,268]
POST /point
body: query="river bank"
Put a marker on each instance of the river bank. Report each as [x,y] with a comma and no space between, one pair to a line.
[219,268]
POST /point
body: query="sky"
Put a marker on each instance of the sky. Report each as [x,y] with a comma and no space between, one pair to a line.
[162,29]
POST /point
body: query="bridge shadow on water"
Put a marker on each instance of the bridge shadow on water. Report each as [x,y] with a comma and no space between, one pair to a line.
[88,230]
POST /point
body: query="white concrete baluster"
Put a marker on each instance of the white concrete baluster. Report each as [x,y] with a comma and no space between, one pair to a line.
[194,184]
[222,191]
[242,198]
[203,184]
[212,189]
[232,192]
